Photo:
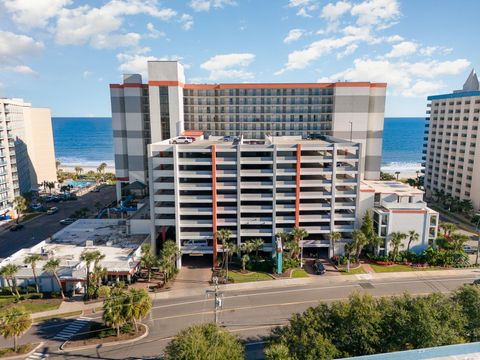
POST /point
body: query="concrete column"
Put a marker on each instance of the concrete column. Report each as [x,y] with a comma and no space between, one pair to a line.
[153,227]
[334,191]
[177,203]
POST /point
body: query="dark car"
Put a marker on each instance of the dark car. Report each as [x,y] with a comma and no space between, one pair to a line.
[318,268]
[476,282]
[17,227]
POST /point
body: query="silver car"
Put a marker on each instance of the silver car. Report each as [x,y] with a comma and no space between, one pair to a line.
[182,140]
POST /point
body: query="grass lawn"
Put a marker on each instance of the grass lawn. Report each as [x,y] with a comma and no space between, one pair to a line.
[238,277]
[358,270]
[31,306]
[299,273]
[30,216]
[22,349]
[391,268]
[59,316]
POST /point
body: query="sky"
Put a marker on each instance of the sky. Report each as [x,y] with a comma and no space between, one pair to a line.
[63,54]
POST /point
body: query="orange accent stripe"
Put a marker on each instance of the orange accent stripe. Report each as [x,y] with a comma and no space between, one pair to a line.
[121,178]
[410,211]
[367,190]
[282,85]
[297,190]
[192,133]
[122,86]
[214,203]
[165,83]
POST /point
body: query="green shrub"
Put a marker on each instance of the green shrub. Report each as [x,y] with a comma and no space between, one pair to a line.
[104,291]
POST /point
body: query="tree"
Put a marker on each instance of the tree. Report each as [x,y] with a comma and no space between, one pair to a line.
[448,229]
[298,234]
[204,342]
[141,305]
[412,237]
[52,266]
[148,260]
[293,248]
[9,273]
[468,297]
[78,170]
[457,241]
[117,309]
[32,261]
[20,205]
[396,239]
[334,237]
[360,240]
[367,226]
[224,236]
[349,249]
[15,321]
[277,352]
[168,257]
[257,244]
[57,163]
[386,176]
[245,260]
[90,257]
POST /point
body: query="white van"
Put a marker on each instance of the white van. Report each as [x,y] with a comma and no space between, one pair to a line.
[200,243]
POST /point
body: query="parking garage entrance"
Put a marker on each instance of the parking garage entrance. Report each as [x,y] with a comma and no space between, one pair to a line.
[196,271]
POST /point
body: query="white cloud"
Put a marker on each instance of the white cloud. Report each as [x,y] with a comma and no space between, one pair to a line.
[31,14]
[102,27]
[305,7]
[13,48]
[138,63]
[153,32]
[186,21]
[379,13]
[229,66]
[332,13]
[206,5]
[402,49]
[86,74]
[394,38]
[349,50]
[430,50]
[404,78]
[293,35]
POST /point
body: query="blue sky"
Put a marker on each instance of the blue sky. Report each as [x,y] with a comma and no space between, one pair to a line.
[62,54]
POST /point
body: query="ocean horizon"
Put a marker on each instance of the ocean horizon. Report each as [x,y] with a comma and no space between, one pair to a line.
[89,141]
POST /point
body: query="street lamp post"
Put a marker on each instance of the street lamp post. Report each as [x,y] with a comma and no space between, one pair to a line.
[217,296]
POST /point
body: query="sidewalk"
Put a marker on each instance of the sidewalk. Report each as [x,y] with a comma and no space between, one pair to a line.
[68,307]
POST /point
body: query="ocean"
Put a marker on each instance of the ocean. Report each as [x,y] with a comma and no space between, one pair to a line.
[89,142]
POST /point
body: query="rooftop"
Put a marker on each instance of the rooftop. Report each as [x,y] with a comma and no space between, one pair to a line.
[389,187]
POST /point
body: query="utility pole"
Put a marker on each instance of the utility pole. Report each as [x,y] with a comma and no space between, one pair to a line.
[217,295]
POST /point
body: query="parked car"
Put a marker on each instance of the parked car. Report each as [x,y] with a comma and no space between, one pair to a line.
[318,267]
[469,249]
[228,138]
[476,282]
[200,243]
[182,140]
[52,210]
[36,207]
[17,227]
[95,190]
[67,221]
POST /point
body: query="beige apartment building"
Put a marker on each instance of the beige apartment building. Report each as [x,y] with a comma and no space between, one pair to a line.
[452,147]
[166,107]
[27,156]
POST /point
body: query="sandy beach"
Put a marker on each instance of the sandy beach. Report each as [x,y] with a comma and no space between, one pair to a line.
[405,174]
[108,169]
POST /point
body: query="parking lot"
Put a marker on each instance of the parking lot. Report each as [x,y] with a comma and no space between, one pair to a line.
[44,226]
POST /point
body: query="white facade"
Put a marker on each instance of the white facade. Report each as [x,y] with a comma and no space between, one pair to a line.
[167,106]
[255,189]
[452,143]
[398,207]
[27,156]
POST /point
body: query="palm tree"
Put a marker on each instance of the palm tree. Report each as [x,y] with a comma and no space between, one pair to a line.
[20,205]
[117,309]
[141,305]
[245,260]
[148,260]
[334,237]
[15,322]
[90,257]
[359,240]
[57,163]
[299,234]
[78,170]
[457,240]
[466,206]
[397,173]
[396,239]
[412,237]
[349,248]
[52,266]
[32,261]
[168,257]
[9,273]
[257,244]
[224,236]
[448,229]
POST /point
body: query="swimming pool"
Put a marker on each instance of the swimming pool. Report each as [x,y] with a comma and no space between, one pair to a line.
[79,183]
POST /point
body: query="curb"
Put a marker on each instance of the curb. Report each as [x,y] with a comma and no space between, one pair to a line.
[24,356]
[112,343]
[5,229]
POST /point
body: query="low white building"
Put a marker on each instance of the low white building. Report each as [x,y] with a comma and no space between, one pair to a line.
[398,207]
[122,254]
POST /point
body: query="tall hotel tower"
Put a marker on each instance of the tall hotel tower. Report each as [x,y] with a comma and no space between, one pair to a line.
[167,107]
[452,148]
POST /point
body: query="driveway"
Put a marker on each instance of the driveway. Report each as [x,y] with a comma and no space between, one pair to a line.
[46,225]
[196,272]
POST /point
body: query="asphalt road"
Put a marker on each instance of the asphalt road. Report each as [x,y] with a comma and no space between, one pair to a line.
[249,314]
[46,225]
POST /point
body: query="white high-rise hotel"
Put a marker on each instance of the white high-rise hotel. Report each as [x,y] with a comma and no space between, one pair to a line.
[452,147]
[256,188]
